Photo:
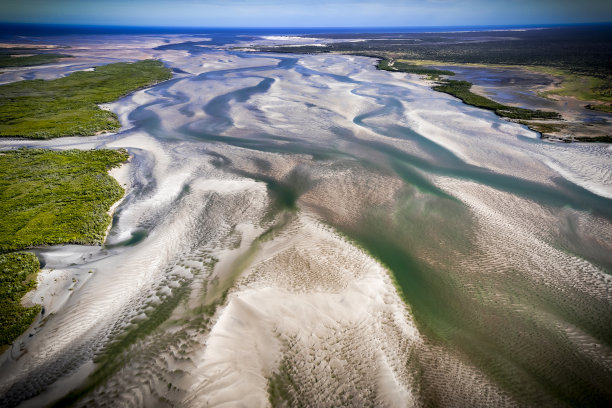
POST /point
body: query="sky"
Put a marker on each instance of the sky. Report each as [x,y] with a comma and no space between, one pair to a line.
[309,13]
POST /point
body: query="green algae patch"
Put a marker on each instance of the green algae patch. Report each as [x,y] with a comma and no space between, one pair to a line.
[17,276]
[49,197]
[68,106]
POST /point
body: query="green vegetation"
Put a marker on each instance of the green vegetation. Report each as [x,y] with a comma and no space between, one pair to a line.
[48,197]
[585,50]
[17,276]
[600,107]
[51,197]
[602,139]
[544,127]
[579,86]
[579,56]
[570,139]
[461,90]
[28,60]
[67,106]
[393,65]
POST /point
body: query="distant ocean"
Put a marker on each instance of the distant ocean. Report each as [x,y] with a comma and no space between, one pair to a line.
[11,30]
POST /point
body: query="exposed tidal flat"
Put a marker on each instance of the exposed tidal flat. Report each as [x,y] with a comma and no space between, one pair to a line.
[308,230]
[561,74]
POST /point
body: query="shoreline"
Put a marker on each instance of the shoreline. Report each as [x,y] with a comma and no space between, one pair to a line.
[122,175]
[567,129]
[31,247]
[562,89]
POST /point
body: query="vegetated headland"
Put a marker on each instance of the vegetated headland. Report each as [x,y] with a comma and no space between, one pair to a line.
[49,197]
[580,57]
[68,106]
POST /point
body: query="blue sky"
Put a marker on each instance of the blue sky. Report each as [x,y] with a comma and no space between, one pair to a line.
[311,13]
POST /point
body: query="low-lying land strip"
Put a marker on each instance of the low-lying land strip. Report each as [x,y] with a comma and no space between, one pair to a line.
[580,86]
[577,86]
[68,106]
[12,60]
[387,64]
[461,90]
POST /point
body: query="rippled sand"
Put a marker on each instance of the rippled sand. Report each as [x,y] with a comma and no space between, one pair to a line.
[308,231]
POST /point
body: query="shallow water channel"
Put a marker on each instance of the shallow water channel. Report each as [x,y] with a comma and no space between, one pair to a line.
[309,231]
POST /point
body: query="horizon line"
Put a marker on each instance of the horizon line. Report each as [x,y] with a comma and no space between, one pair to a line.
[8,23]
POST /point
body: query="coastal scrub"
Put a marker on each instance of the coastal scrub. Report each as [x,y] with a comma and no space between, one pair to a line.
[68,106]
[461,90]
[394,65]
[17,276]
[50,198]
[17,60]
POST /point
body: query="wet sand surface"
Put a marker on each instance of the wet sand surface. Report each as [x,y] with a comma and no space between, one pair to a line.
[306,230]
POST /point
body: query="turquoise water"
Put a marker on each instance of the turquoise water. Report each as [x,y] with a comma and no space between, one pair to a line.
[502,260]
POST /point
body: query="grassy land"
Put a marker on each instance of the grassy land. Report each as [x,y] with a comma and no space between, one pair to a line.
[49,198]
[583,87]
[461,90]
[544,127]
[67,106]
[26,61]
[600,107]
[17,276]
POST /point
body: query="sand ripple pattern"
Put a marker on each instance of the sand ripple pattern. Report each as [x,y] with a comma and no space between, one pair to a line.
[303,230]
